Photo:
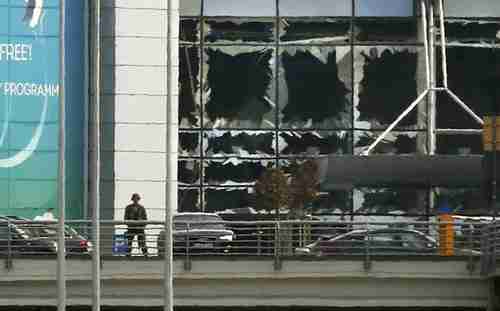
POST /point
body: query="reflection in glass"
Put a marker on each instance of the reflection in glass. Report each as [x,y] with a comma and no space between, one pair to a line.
[393,143]
[220,31]
[316,8]
[234,171]
[395,201]
[223,199]
[237,86]
[189,144]
[384,7]
[386,80]
[464,201]
[386,31]
[469,81]
[315,31]
[189,66]
[314,143]
[464,32]
[239,143]
[189,172]
[189,30]
[239,8]
[316,88]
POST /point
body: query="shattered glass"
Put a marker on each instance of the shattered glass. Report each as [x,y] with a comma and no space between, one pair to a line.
[394,143]
[238,91]
[189,200]
[218,199]
[315,88]
[469,32]
[239,143]
[379,31]
[189,172]
[335,202]
[189,31]
[189,87]
[317,31]
[459,144]
[394,200]
[234,171]
[189,143]
[380,98]
[230,31]
[310,143]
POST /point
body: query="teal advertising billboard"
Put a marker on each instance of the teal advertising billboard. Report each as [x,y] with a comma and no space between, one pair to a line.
[29,99]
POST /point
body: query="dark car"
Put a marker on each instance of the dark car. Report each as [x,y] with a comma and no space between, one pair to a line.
[381,241]
[17,240]
[198,233]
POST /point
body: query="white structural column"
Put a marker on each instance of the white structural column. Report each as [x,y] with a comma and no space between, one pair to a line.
[171,144]
[61,252]
[96,155]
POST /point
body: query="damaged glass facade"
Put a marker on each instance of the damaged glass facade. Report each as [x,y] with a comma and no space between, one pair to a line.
[268,82]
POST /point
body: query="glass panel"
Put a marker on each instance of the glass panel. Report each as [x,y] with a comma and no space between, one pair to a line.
[459,144]
[239,89]
[386,80]
[240,8]
[234,171]
[317,31]
[189,30]
[315,8]
[315,87]
[468,80]
[227,30]
[226,199]
[386,30]
[384,8]
[481,8]
[189,96]
[393,143]
[315,143]
[189,144]
[335,202]
[395,201]
[189,200]
[463,201]
[190,7]
[240,143]
[189,172]
[466,31]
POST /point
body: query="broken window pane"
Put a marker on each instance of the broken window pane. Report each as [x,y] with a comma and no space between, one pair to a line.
[189,144]
[239,8]
[394,200]
[463,201]
[188,200]
[240,143]
[459,144]
[239,89]
[315,143]
[469,81]
[189,31]
[315,87]
[190,7]
[386,30]
[239,30]
[480,8]
[316,8]
[466,31]
[189,96]
[394,143]
[384,7]
[224,199]
[189,172]
[234,171]
[385,79]
[317,31]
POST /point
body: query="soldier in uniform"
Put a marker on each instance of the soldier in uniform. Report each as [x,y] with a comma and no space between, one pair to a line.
[136,211]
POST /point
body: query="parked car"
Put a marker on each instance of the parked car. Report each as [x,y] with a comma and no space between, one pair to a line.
[18,240]
[381,241]
[46,233]
[200,232]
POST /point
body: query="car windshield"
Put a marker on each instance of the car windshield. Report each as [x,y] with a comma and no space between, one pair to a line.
[203,222]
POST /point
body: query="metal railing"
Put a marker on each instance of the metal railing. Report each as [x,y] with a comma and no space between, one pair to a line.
[268,239]
[490,248]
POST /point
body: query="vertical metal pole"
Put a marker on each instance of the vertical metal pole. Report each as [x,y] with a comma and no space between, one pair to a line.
[431,105]
[443,44]
[86,24]
[96,139]
[171,146]
[61,256]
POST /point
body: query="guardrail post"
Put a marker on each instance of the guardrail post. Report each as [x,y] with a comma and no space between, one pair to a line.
[277,246]
[8,261]
[187,259]
[367,264]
